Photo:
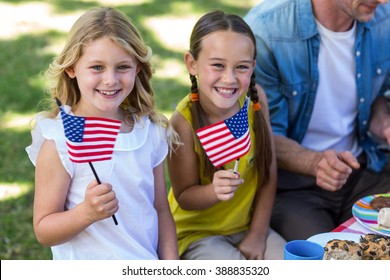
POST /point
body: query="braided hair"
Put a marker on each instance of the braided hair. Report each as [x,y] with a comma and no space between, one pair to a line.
[213,22]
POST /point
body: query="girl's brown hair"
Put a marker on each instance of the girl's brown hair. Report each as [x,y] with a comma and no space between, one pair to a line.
[213,22]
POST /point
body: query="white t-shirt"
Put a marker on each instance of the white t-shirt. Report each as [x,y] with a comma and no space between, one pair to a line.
[333,122]
[130,171]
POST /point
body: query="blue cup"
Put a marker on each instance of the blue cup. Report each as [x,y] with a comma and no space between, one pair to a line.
[303,250]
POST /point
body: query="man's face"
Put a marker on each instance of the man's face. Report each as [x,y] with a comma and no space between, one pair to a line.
[361,10]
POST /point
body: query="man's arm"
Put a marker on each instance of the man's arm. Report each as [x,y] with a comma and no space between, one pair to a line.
[330,168]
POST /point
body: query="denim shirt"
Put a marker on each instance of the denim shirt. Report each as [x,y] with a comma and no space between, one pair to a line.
[287,43]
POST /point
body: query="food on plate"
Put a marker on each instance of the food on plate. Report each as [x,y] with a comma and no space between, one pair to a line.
[380,202]
[384,217]
[369,247]
[337,249]
[375,247]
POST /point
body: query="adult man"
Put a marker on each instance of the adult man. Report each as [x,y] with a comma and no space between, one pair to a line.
[325,65]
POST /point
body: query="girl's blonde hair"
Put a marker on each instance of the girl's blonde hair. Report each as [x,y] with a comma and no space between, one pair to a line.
[212,22]
[94,24]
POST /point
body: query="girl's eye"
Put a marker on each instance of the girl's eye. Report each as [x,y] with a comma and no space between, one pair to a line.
[218,65]
[242,67]
[124,67]
[97,67]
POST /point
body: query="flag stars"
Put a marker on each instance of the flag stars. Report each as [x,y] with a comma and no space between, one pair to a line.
[238,124]
[73,126]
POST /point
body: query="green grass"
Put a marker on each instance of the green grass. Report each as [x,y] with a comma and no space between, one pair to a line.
[25,56]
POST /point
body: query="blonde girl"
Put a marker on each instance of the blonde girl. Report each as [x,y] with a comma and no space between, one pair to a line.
[104,71]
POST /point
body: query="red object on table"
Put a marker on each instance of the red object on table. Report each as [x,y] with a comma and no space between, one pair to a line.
[352,226]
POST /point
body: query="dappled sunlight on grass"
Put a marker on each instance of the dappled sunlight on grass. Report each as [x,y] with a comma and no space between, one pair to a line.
[13,190]
[171,68]
[20,87]
[121,2]
[16,122]
[172,32]
[19,20]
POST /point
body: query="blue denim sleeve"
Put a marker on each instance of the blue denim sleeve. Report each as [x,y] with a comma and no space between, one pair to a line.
[268,77]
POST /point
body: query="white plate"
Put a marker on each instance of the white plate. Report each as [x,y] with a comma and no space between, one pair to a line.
[323,238]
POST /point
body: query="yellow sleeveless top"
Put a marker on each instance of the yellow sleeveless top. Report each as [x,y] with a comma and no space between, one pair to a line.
[225,217]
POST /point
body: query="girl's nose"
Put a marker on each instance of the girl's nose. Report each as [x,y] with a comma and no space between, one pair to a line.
[229,76]
[110,78]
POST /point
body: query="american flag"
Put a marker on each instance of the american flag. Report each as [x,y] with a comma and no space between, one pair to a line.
[226,140]
[89,139]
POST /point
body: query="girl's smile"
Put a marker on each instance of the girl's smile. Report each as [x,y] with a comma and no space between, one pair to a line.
[108,92]
[226,91]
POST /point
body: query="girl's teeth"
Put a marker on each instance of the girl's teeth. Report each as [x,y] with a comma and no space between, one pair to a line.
[108,92]
[226,91]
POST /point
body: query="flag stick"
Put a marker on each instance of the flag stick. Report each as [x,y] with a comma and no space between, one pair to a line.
[98,180]
[236,166]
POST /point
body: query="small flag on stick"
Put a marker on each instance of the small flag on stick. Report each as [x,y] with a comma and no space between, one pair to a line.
[226,140]
[89,139]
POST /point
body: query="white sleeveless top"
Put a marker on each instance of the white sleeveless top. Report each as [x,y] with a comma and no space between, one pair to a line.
[130,171]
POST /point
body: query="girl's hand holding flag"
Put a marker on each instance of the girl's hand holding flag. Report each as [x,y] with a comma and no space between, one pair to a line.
[225,184]
[100,201]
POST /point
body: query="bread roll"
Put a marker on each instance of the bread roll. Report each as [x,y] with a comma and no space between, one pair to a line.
[337,249]
[375,247]
[384,217]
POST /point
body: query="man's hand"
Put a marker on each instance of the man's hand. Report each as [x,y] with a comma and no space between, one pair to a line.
[334,168]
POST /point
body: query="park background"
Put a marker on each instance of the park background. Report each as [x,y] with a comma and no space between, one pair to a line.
[31,34]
